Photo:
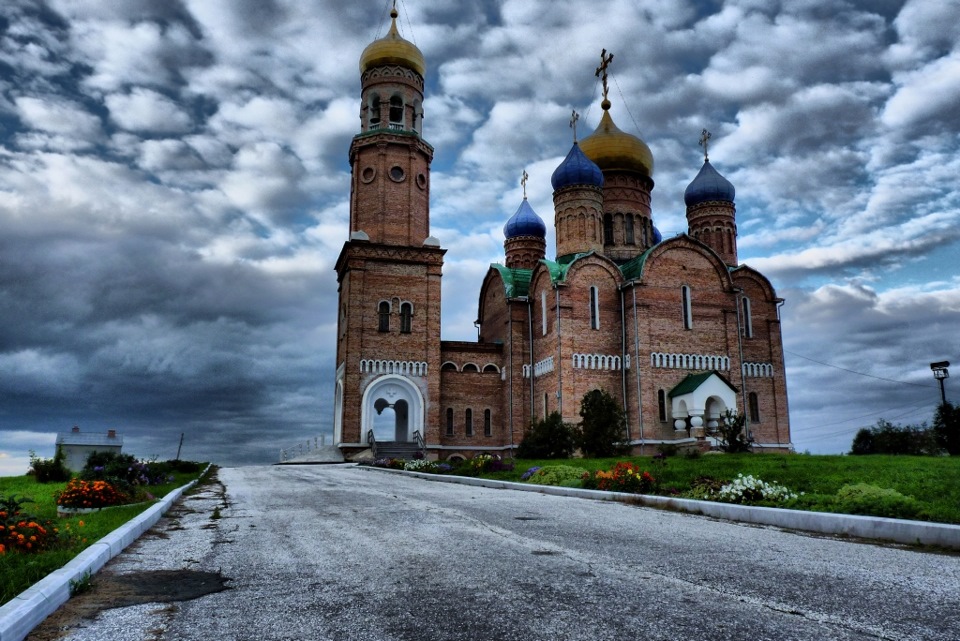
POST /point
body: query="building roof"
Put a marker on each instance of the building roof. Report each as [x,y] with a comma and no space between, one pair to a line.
[89,438]
[707,186]
[525,222]
[393,50]
[516,281]
[614,149]
[693,381]
[576,169]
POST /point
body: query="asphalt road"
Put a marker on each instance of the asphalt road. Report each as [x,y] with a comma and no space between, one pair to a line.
[340,553]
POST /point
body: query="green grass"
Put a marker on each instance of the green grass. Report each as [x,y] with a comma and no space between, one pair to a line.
[18,571]
[933,481]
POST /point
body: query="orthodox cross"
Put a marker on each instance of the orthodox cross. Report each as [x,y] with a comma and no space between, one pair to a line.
[523,181]
[601,72]
[574,117]
[704,141]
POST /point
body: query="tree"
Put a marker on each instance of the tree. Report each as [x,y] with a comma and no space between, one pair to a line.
[946,427]
[729,433]
[548,438]
[887,438]
[603,430]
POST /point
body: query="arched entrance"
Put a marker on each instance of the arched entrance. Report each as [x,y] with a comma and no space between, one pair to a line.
[392,408]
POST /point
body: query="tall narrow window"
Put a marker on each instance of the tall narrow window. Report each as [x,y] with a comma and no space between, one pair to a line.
[449,421]
[662,405]
[375,113]
[545,408]
[396,112]
[754,407]
[687,315]
[383,311]
[406,316]
[607,229]
[747,319]
[594,308]
[628,229]
[487,426]
[543,311]
[468,422]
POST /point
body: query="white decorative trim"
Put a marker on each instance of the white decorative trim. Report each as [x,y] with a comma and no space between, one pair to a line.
[689,361]
[526,371]
[596,361]
[758,370]
[379,366]
[543,367]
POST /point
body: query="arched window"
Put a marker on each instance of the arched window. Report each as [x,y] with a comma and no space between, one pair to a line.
[470,367]
[396,112]
[594,308]
[662,405]
[448,367]
[375,113]
[449,421]
[468,422]
[754,407]
[487,426]
[406,316]
[490,367]
[383,311]
[747,319]
[543,311]
[686,311]
[628,229]
[607,229]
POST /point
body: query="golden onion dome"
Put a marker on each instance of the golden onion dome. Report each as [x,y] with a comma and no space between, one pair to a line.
[393,50]
[611,148]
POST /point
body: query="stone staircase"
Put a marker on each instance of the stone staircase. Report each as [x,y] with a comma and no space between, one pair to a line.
[397,449]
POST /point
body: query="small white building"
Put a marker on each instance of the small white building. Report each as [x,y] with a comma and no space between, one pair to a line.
[77,445]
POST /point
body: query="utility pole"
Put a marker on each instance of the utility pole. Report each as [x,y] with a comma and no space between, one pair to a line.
[940,372]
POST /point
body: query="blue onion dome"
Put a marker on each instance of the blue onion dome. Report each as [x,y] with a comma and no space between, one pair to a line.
[576,169]
[708,185]
[525,223]
[657,236]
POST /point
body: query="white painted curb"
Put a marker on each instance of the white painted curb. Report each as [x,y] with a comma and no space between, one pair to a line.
[28,609]
[942,535]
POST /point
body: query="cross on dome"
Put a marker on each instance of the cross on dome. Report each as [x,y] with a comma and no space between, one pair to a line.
[574,117]
[523,181]
[601,73]
[704,142]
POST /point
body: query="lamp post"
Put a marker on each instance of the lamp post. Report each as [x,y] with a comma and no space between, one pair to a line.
[941,372]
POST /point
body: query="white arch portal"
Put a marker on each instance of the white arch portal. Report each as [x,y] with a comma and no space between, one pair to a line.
[389,391]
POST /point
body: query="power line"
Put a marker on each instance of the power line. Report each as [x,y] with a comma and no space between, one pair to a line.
[879,378]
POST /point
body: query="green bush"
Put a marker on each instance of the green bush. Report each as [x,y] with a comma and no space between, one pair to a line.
[862,498]
[550,438]
[887,438]
[946,428]
[558,475]
[603,428]
[49,470]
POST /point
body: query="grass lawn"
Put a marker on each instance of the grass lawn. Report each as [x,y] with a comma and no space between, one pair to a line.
[933,481]
[18,570]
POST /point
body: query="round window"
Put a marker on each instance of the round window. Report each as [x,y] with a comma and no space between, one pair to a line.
[421,181]
[396,173]
[368,174]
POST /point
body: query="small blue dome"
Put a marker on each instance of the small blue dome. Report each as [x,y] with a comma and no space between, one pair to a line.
[708,185]
[657,236]
[576,169]
[525,223]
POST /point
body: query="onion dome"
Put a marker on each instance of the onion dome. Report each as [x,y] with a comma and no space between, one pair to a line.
[576,169]
[657,236]
[393,50]
[708,185]
[611,148]
[525,223]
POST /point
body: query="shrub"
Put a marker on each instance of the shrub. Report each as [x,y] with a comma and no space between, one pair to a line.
[603,428]
[557,475]
[49,470]
[624,477]
[90,494]
[729,433]
[946,428]
[862,498]
[704,488]
[749,489]
[887,438]
[23,532]
[530,472]
[549,438]
[124,471]
[420,465]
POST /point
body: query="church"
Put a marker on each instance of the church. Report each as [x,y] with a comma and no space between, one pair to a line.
[675,329]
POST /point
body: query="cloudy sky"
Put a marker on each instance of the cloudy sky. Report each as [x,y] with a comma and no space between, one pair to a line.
[174,184]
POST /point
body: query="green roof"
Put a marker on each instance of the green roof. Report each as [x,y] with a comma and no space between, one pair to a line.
[693,381]
[516,282]
[634,267]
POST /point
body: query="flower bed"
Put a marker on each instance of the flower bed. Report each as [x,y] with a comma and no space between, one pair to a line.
[80,494]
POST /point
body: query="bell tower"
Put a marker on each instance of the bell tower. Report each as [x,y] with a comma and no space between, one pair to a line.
[388,329]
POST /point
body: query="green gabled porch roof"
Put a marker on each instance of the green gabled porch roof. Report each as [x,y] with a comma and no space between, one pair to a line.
[693,381]
[634,267]
[516,282]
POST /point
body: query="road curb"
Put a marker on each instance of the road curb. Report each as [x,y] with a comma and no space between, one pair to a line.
[28,609]
[941,535]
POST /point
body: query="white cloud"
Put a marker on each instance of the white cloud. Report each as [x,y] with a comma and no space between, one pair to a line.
[145,110]
[57,116]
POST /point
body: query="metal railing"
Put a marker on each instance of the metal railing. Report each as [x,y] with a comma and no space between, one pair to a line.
[418,439]
[304,447]
[372,442]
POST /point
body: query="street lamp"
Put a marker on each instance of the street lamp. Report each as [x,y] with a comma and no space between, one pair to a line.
[941,372]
